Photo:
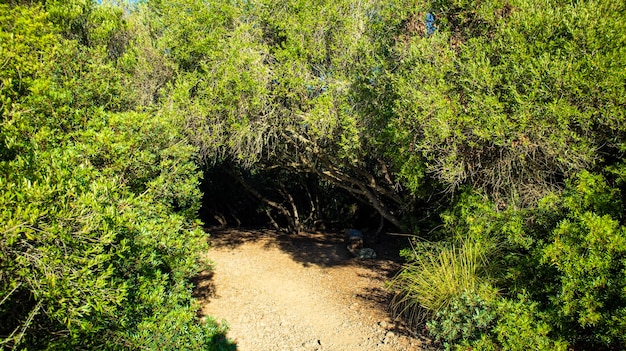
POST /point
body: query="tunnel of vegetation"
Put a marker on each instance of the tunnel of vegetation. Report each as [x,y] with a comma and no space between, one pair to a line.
[493,131]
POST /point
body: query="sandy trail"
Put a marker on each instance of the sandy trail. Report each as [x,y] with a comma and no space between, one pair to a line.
[304,292]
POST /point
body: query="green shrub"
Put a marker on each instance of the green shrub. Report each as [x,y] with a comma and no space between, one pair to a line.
[521,326]
[509,96]
[466,319]
[88,261]
[587,249]
[98,236]
[471,322]
[567,257]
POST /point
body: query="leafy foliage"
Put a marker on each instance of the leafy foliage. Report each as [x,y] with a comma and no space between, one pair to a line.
[98,206]
[506,97]
[564,257]
[499,95]
[471,322]
[588,250]
[494,129]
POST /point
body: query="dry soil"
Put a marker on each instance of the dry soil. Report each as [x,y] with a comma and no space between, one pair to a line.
[302,292]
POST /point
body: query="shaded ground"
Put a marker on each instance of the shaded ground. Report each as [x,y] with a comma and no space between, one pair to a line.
[304,292]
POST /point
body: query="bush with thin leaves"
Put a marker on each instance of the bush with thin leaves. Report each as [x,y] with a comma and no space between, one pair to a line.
[436,274]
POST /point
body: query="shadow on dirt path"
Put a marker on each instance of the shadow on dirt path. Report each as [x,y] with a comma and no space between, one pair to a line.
[302,292]
[326,249]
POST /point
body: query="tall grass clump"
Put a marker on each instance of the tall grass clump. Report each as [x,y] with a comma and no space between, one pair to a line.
[436,273]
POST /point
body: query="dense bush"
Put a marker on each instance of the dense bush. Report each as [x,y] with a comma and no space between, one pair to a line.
[521,101]
[510,96]
[565,257]
[471,322]
[587,250]
[97,204]
[495,129]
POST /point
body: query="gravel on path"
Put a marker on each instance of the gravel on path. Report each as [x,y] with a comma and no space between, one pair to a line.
[300,293]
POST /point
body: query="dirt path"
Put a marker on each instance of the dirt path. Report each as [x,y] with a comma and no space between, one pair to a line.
[303,292]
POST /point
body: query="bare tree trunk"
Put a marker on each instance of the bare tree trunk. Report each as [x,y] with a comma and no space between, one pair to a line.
[292,218]
[295,218]
[368,191]
[356,187]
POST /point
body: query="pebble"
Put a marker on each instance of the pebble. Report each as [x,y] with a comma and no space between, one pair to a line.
[312,343]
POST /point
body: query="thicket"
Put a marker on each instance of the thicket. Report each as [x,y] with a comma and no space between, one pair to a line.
[98,199]
[521,102]
[494,131]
